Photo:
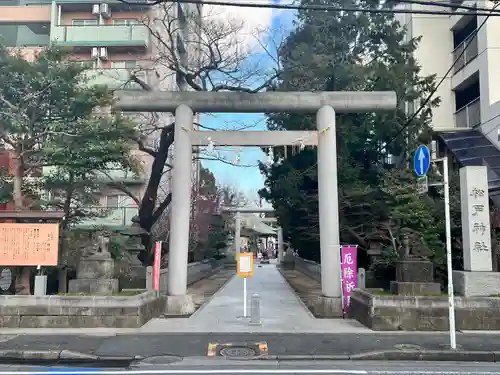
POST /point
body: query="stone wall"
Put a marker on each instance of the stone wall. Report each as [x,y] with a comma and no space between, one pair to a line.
[195,272]
[313,270]
[79,311]
[309,268]
[423,313]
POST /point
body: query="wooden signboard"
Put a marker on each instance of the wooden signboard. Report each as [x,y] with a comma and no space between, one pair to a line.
[245,264]
[29,244]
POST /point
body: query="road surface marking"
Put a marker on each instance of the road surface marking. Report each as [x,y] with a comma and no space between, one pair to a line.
[398,372]
[263,348]
[212,349]
[168,372]
[244,371]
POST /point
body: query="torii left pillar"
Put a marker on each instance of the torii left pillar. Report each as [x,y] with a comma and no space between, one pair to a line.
[324,104]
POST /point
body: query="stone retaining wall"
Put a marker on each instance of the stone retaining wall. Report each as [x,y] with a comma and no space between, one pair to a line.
[79,311]
[313,270]
[423,313]
[309,268]
[195,272]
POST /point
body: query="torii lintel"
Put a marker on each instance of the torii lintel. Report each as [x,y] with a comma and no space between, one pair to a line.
[261,102]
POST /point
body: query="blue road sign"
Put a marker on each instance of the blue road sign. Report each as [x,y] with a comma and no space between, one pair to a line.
[422,161]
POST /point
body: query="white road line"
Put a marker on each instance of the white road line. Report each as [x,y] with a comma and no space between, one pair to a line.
[417,372]
[244,371]
[167,372]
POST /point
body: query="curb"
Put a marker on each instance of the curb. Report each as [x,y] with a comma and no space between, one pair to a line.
[63,357]
[398,355]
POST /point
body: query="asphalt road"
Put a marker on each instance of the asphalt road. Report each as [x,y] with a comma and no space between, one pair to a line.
[212,367]
[195,344]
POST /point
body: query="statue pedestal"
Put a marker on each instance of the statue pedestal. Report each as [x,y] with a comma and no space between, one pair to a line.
[95,276]
[414,277]
[135,276]
[288,260]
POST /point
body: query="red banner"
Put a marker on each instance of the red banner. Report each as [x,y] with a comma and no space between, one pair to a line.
[156,267]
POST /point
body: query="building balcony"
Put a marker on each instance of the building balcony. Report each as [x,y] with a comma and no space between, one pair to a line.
[469,115]
[115,79]
[469,49]
[115,175]
[101,36]
[116,218]
[119,175]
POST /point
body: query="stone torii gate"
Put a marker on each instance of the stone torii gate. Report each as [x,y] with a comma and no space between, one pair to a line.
[325,104]
[237,224]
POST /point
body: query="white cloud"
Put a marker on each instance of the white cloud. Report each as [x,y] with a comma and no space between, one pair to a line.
[253,20]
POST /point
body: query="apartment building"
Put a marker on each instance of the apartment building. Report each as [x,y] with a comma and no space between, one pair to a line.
[468,119]
[115,38]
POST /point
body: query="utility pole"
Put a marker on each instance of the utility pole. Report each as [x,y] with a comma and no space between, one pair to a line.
[449,265]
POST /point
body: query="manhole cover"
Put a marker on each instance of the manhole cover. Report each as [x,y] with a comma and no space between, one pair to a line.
[407,347]
[238,352]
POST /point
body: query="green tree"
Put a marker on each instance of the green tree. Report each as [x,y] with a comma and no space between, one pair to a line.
[336,51]
[51,118]
[220,63]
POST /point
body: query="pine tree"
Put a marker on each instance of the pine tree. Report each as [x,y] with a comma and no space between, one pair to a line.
[337,51]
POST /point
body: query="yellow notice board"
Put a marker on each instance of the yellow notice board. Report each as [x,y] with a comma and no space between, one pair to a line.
[245,264]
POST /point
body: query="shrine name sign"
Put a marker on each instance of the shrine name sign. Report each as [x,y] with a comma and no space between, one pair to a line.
[29,244]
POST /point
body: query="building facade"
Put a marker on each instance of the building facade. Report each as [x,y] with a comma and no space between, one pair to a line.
[116,38]
[468,118]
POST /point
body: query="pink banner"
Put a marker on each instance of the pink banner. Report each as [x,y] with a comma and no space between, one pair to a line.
[156,267]
[349,268]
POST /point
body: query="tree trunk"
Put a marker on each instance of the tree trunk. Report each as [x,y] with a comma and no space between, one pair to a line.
[62,276]
[17,193]
[23,274]
[23,278]
[62,272]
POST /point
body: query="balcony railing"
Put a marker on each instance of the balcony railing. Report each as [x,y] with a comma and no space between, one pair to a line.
[470,53]
[101,36]
[115,78]
[469,115]
[109,217]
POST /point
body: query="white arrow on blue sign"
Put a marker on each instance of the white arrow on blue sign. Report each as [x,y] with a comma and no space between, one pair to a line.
[422,161]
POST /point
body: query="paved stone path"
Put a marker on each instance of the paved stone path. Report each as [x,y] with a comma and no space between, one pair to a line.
[281,310]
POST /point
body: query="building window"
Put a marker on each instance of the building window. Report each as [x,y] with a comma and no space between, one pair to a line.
[127,64]
[85,22]
[112,201]
[125,22]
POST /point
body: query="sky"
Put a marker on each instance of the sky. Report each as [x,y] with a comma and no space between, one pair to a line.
[246,177]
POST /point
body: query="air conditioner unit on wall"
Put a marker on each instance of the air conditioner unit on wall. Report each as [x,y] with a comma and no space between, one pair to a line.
[96,9]
[95,53]
[103,53]
[105,11]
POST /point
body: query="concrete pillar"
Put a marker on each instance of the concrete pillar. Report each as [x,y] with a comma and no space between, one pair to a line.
[40,285]
[361,278]
[237,232]
[149,278]
[177,301]
[477,279]
[331,301]
[280,245]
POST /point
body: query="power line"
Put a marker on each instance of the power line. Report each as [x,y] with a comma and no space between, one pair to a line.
[323,8]
[444,4]
[429,97]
